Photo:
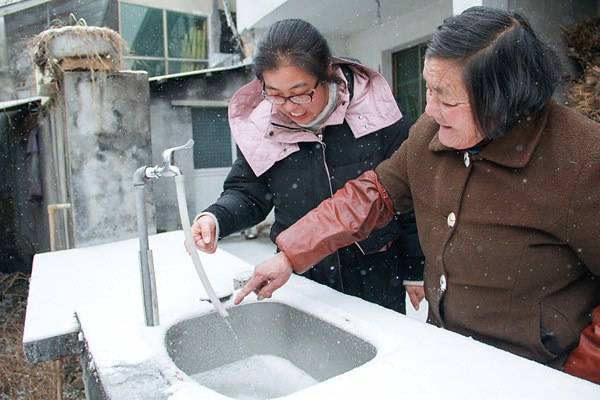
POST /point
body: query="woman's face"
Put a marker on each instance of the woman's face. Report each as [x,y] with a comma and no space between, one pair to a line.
[290,80]
[448,104]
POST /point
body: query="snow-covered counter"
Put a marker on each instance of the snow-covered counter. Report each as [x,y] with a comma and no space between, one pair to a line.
[130,361]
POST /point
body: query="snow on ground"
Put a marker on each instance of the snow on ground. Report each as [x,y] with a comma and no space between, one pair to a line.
[101,284]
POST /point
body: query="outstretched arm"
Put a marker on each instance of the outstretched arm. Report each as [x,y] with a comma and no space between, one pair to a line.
[361,206]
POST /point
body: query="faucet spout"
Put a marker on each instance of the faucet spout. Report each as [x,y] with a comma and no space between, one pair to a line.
[168,155]
[167,167]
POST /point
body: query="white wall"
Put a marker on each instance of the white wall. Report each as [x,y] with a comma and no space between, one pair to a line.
[250,11]
[459,6]
[338,46]
[375,46]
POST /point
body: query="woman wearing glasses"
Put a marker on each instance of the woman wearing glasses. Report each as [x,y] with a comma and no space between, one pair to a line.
[304,127]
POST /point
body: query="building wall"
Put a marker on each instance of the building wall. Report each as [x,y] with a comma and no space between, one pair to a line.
[172,125]
[23,215]
[375,46]
[250,11]
[108,138]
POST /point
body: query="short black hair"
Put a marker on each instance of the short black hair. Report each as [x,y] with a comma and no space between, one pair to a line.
[508,72]
[293,42]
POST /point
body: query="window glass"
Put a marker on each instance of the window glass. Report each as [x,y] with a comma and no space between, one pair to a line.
[409,86]
[212,138]
[94,12]
[153,67]
[186,36]
[142,30]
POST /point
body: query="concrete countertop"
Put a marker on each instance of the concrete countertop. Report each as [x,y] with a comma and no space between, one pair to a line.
[130,359]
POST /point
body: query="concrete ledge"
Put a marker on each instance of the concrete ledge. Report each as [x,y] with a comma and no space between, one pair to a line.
[52,348]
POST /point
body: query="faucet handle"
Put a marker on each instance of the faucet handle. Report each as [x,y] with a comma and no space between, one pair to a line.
[168,156]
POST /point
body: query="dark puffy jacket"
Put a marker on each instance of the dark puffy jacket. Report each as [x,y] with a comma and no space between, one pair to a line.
[297,183]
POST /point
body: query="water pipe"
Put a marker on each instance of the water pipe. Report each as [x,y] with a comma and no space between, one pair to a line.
[191,248]
[145,254]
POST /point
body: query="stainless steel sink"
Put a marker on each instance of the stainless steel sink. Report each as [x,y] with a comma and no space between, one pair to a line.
[273,330]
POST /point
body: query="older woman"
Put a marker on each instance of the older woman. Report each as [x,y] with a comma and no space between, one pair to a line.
[505,185]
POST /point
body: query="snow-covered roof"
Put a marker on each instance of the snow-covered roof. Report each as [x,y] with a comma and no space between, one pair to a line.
[208,71]
[21,103]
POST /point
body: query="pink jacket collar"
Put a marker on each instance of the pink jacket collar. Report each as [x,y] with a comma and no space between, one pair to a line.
[265,137]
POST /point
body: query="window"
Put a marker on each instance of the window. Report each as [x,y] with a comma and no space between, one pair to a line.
[409,85]
[163,42]
[142,28]
[212,138]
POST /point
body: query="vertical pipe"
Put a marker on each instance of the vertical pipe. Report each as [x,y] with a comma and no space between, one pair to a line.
[145,255]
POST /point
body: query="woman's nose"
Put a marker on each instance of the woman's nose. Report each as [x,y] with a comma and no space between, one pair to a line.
[431,108]
[288,106]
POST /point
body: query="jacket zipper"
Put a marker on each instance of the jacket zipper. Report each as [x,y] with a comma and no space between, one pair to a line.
[337,253]
[320,136]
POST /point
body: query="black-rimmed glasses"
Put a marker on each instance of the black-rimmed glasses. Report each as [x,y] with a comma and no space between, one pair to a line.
[303,98]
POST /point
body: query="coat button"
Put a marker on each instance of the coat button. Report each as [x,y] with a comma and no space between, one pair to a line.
[451,219]
[443,282]
[467,159]
[360,117]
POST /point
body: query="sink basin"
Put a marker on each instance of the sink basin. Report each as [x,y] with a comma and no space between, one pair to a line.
[269,350]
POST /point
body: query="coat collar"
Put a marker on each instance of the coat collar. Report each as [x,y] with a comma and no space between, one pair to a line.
[516,148]
[265,138]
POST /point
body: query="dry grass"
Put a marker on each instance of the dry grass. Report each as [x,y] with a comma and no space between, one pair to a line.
[584,47]
[44,58]
[20,380]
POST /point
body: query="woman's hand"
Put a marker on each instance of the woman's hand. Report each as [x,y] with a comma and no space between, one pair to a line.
[416,293]
[204,234]
[268,276]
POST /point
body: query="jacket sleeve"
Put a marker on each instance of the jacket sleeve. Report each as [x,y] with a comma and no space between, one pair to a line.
[393,175]
[355,210]
[245,200]
[584,361]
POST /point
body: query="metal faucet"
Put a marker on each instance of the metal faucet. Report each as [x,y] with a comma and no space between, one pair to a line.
[141,176]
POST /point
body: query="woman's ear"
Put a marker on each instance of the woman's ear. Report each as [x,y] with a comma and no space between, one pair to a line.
[330,71]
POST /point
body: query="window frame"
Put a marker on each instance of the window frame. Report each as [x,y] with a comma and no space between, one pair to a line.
[165,36]
[420,47]
[199,104]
